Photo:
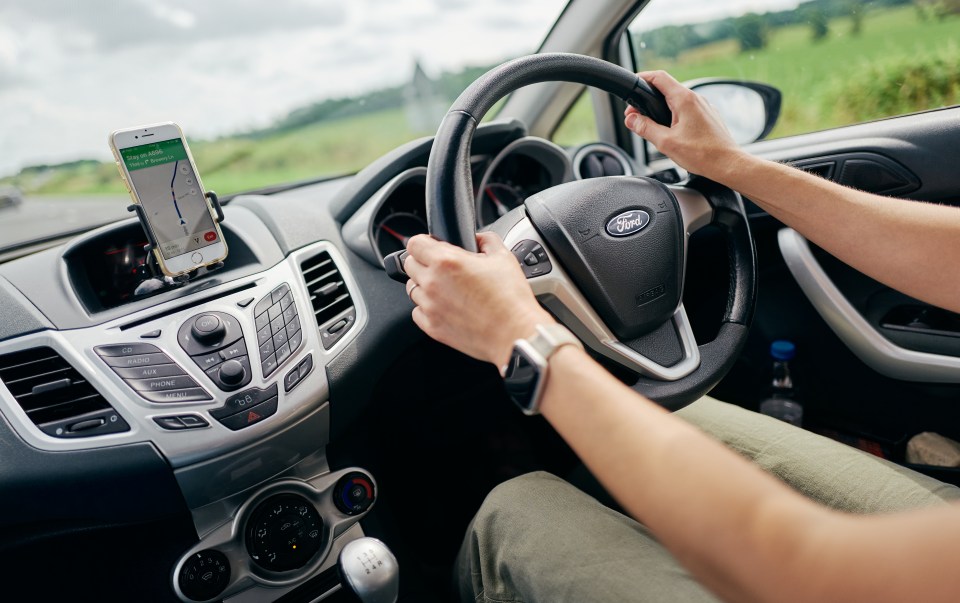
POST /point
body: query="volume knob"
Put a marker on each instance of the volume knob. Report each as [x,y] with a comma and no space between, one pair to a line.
[208,328]
[232,372]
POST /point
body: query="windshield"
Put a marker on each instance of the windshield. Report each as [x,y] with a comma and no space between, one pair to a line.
[266,92]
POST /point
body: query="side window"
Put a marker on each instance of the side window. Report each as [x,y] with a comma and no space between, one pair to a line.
[579,125]
[837,62]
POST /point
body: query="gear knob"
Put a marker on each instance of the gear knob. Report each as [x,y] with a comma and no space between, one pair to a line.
[370,570]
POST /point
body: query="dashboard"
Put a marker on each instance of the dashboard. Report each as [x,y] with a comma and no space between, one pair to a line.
[219,398]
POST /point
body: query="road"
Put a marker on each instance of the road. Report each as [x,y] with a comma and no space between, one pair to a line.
[47,215]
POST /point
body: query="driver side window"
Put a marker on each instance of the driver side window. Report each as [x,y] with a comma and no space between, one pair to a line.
[837,62]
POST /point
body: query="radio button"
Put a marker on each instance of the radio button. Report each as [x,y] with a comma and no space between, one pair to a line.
[150,372]
[194,394]
[160,384]
[135,361]
[126,349]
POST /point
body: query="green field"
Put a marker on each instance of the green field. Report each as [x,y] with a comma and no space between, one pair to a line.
[898,64]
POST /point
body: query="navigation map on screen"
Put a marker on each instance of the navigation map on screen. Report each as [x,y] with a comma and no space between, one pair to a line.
[170,195]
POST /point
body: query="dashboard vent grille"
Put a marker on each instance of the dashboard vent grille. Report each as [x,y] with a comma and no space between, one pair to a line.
[599,161]
[54,395]
[328,292]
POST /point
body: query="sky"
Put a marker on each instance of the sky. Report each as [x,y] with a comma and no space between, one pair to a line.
[71,71]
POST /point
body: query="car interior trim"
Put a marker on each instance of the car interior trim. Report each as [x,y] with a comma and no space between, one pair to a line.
[875,350]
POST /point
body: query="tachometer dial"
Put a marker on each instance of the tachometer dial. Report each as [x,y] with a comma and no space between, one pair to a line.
[498,199]
[393,232]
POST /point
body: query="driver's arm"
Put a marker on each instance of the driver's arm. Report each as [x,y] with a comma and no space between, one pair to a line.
[910,246]
[741,532]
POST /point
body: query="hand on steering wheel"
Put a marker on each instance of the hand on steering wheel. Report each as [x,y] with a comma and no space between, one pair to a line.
[697,139]
[478,303]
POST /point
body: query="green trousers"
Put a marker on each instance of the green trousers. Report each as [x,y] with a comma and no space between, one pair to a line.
[537,539]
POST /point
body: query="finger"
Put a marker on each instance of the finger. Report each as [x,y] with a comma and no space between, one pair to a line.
[489,242]
[413,291]
[414,269]
[646,128]
[421,320]
[428,250]
[671,89]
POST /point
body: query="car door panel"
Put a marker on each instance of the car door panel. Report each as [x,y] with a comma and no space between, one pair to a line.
[870,360]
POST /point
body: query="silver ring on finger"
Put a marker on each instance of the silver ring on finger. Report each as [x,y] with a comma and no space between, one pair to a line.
[410,292]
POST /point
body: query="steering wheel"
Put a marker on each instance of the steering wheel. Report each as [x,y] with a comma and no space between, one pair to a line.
[606,256]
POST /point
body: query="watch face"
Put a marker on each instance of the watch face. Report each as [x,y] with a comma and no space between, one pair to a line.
[521,378]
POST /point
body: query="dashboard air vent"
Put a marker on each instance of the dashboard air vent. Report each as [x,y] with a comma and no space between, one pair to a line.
[332,304]
[596,161]
[57,398]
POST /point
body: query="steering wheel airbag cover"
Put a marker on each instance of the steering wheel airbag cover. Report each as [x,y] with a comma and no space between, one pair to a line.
[634,282]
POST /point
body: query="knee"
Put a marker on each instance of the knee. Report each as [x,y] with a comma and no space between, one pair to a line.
[515,506]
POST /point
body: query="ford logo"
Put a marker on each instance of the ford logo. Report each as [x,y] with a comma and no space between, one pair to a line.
[628,223]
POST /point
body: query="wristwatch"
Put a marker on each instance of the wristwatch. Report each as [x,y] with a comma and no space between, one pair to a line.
[526,374]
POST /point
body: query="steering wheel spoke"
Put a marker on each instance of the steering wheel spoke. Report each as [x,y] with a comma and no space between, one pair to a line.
[560,295]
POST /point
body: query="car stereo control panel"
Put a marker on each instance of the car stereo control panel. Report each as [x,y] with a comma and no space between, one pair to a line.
[209,373]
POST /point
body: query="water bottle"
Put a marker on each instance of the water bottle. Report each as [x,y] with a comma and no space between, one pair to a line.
[781,404]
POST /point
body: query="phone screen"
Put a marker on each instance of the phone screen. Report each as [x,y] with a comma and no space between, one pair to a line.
[172,201]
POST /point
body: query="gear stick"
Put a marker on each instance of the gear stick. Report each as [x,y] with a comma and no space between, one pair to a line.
[370,570]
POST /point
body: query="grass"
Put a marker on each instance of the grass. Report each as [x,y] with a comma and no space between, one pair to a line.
[838,80]
[810,74]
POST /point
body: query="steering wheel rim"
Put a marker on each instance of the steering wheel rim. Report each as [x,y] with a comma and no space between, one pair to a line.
[451,213]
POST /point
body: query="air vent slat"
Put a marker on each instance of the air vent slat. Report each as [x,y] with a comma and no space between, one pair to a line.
[53,394]
[329,297]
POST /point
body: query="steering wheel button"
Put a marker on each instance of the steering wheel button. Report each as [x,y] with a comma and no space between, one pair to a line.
[531,259]
[278,293]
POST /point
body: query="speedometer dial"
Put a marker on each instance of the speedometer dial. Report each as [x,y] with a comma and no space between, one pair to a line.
[498,198]
[393,232]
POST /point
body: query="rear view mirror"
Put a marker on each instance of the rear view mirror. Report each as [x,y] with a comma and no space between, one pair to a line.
[749,109]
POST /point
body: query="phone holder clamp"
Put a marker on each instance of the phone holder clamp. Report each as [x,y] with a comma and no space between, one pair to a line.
[158,280]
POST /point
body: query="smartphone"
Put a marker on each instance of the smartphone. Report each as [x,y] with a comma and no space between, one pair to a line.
[157,167]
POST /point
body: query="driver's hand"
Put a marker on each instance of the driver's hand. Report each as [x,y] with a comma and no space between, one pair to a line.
[697,140]
[478,303]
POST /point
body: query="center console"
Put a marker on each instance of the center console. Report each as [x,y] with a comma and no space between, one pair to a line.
[228,382]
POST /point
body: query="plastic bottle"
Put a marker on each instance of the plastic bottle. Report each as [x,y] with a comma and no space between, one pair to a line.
[782,403]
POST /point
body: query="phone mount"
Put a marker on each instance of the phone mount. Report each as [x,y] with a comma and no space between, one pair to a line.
[157,280]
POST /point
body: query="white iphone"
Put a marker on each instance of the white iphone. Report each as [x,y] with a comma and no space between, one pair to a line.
[158,169]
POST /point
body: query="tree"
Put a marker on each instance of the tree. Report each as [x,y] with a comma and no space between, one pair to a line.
[856,9]
[751,31]
[819,25]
